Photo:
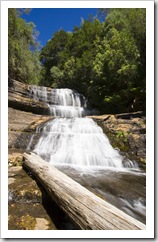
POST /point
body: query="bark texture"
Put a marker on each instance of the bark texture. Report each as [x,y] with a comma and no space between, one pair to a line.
[85,209]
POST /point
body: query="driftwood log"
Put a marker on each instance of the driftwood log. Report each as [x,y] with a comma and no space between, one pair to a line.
[84,208]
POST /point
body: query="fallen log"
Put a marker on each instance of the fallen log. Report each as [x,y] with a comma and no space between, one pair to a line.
[138,114]
[84,208]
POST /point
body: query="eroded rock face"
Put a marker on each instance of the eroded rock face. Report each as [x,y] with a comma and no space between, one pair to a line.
[127,132]
[24,114]
[19,98]
[21,126]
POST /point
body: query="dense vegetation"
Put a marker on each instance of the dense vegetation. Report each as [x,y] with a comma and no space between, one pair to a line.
[23,54]
[105,60]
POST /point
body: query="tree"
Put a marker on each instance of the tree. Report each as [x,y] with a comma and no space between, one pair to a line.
[23,54]
[104,60]
[121,55]
[51,54]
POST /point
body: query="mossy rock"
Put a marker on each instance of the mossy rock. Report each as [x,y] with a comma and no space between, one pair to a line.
[118,139]
[129,144]
[27,222]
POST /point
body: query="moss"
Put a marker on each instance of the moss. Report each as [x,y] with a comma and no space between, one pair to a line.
[118,139]
[27,222]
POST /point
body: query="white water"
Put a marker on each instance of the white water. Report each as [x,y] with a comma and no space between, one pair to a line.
[77,141]
[67,103]
[71,139]
[77,146]
[39,93]
[62,102]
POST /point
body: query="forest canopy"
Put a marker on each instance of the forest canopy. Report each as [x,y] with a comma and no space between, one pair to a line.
[104,58]
[23,53]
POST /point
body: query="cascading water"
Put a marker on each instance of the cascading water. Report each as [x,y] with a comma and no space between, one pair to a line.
[39,93]
[72,139]
[76,141]
[62,102]
[77,146]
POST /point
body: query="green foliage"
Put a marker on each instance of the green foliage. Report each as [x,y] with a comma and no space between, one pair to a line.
[53,54]
[56,75]
[23,54]
[122,135]
[105,60]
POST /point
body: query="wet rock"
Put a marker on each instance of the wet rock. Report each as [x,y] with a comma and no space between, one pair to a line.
[29,205]
[28,216]
[25,209]
[27,222]
[128,134]
[24,191]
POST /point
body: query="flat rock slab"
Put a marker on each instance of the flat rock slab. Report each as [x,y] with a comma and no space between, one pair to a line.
[21,126]
[19,98]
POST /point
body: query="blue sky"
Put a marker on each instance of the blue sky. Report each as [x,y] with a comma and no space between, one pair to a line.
[49,20]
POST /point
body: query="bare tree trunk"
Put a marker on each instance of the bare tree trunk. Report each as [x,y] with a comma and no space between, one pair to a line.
[84,208]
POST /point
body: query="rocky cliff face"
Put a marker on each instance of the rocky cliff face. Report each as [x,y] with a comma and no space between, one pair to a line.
[19,98]
[127,132]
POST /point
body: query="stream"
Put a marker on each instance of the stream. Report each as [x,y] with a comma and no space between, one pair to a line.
[77,146]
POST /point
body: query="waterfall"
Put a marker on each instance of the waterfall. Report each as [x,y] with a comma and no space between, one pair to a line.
[78,147]
[76,141]
[71,138]
[68,103]
[61,102]
[39,93]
